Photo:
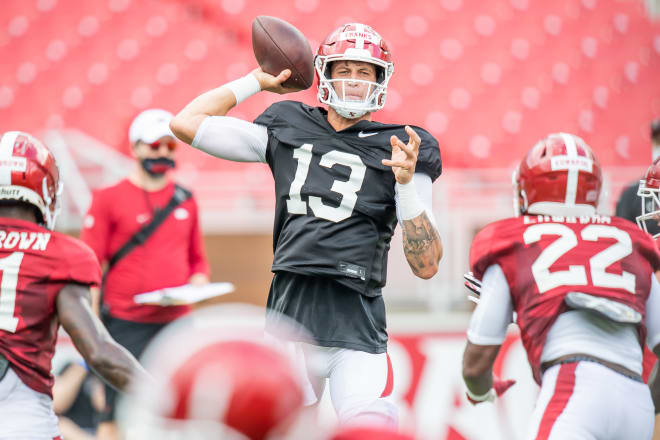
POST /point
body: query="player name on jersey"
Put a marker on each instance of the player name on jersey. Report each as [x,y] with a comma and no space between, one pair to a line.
[37,241]
[583,220]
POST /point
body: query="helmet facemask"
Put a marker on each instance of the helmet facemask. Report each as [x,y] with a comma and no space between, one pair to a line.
[648,196]
[333,91]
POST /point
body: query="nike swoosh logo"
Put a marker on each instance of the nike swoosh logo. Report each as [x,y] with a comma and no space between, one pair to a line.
[364,135]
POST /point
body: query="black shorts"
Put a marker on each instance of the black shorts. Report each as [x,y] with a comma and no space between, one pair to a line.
[134,336]
[335,315]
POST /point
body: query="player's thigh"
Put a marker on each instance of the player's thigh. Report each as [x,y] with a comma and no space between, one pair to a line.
[588,401]
[310,364]
[361,385]
[26,413]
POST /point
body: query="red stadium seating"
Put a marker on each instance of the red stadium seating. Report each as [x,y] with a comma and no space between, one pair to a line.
[487,78]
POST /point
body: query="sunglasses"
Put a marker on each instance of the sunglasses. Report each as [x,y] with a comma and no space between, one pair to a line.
[171,145]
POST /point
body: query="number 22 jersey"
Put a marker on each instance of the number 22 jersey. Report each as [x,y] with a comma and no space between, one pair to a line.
[335,211]
[35,264]
[545,258]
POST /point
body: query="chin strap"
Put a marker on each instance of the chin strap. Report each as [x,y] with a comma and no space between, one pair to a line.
[348,114]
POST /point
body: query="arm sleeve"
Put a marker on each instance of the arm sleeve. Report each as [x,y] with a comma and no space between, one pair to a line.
[653,314]
[232,139]
[96,227]
[494,312]
[197,254]
[424,187]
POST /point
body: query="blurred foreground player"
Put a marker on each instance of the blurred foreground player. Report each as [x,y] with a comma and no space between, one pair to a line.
[585,293]
[341,181]
[45,281]
[216,377]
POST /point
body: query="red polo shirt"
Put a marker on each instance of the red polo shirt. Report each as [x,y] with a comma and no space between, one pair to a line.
[173,253]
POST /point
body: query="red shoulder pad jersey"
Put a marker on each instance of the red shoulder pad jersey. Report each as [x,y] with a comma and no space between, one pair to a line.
[544,258]
[35,264]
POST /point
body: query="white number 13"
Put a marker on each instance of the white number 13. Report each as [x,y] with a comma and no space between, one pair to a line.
[576,275]
[348,189]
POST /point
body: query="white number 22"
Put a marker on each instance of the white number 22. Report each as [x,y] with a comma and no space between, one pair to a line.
[576,275]
[9,267]
[348,189]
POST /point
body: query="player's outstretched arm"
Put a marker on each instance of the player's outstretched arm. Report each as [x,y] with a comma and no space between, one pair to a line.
[421,245]
[219,101]
[421,241]
[482,384]
[103,355]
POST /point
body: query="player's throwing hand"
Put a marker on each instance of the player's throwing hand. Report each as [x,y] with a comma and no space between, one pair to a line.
[272,83]
[404,157]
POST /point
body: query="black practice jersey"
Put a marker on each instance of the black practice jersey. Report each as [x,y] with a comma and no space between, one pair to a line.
[335,212]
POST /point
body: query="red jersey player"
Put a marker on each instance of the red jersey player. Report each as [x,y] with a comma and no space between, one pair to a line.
[649,191]
[586,297]
[45,279]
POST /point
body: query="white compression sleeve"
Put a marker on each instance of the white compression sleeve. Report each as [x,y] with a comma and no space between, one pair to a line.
[424,187]
[494,312]
[232,139]
[653,314]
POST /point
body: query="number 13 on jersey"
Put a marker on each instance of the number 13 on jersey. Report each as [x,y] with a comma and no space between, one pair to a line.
[348,189]
[576,275]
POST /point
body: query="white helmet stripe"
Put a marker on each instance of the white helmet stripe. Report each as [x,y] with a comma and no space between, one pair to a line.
[572,180]
[6,153]
[359,40]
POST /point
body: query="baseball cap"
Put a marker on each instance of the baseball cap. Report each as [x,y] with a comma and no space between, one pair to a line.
[655,127]
[150,125]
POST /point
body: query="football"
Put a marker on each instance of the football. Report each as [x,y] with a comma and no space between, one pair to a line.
[278,45]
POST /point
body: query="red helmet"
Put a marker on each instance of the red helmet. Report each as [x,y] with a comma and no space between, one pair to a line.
[560,175]
[353,42]
[369,433]
[28,173]
[649,187]
[215,377]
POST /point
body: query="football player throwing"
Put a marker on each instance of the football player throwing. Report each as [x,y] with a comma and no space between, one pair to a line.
[341,182]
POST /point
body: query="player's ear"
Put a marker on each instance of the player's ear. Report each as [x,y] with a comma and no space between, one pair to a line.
[134,147]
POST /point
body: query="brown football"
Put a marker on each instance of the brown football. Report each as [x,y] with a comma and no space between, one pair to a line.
[277,46]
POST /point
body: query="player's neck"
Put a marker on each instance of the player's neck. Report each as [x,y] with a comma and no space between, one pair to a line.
[140,178]
[19,213]
[339,122]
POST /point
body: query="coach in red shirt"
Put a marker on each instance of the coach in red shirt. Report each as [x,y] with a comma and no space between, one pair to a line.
[173,255]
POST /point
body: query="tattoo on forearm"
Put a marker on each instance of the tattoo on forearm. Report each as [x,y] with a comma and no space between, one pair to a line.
[421,242]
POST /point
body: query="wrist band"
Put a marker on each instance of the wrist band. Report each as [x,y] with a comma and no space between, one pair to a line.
[488,396]
[409,204]
[244,87]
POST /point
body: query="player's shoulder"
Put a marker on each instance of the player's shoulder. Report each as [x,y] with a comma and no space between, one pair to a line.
[429,160]
[495,240]
[428,140]
[289,111]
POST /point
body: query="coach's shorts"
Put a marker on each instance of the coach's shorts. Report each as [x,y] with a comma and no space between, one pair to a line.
[588,401]
[25,414]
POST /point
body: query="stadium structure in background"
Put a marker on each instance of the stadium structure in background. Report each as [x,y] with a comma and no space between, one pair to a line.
[488,79]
